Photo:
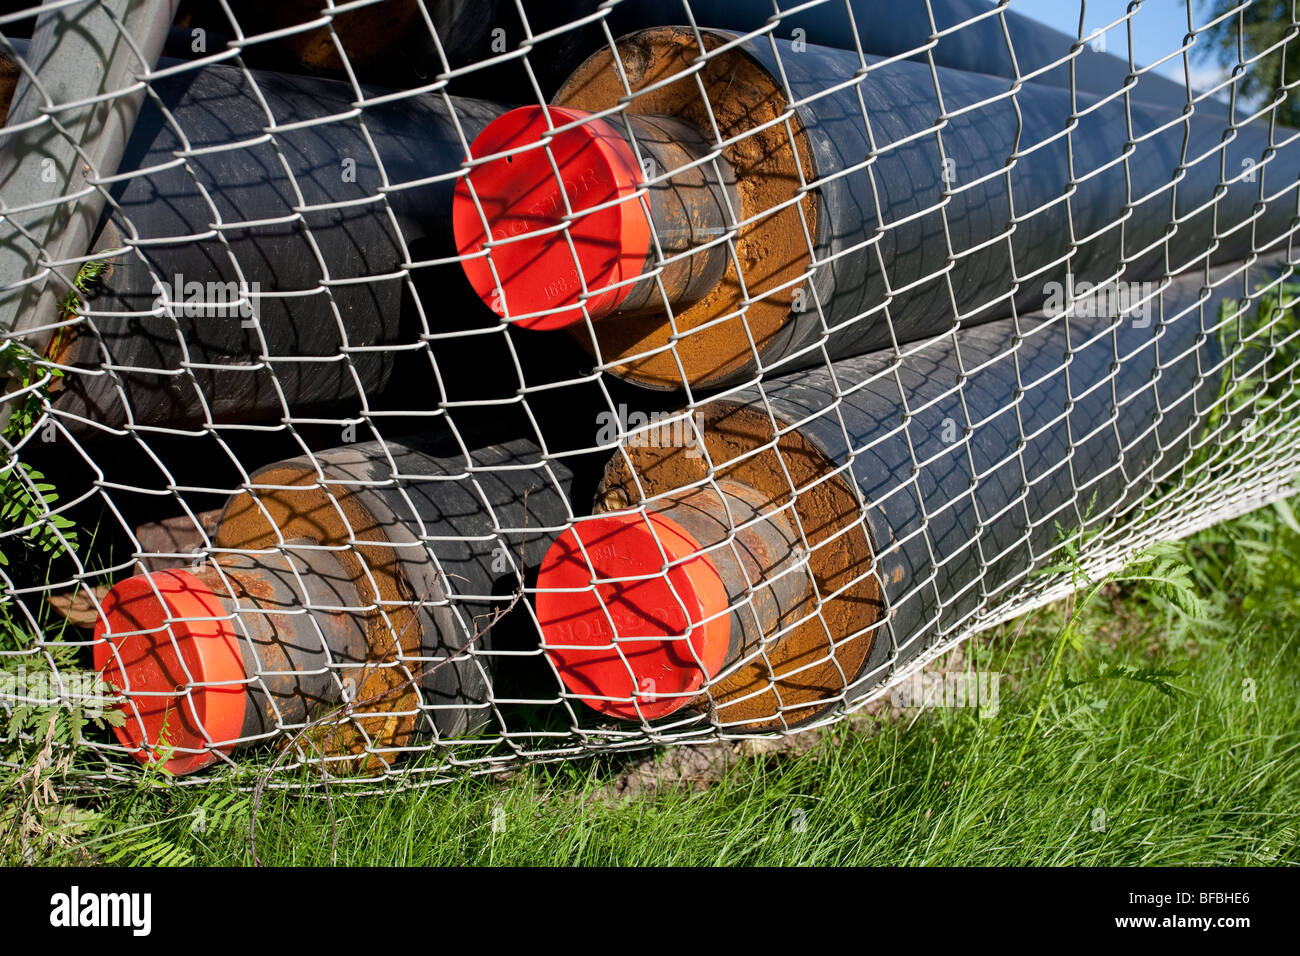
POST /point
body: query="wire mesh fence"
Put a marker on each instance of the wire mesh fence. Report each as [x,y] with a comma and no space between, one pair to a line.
[404,390]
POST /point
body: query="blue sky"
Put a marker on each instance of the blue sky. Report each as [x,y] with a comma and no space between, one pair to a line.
[1158,28]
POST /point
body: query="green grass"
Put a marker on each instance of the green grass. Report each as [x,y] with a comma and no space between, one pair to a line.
[1165,737]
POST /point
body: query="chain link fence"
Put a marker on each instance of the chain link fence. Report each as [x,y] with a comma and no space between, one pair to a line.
[402,390]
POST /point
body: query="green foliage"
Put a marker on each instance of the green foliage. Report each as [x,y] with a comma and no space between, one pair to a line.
[39,737]
[1157,677]
[27,498]
[1166,585]
[152,828]
[1168,588]
[1247,34]
[1249,567]
[1265,344]
[1257,395]
[26,503]
[84,283]
[155,831]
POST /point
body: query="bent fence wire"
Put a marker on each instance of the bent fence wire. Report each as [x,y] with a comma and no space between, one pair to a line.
[406,390]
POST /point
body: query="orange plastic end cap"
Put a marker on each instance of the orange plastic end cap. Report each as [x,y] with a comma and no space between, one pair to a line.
[520,195]
[180,678]
[671,625]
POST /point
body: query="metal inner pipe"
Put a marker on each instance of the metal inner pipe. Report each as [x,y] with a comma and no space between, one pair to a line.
[216,660]
[633,217]
[440,545]
[639,611]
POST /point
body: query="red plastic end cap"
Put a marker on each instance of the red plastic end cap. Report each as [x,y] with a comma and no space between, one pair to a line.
[520,194]
[682,615]
[154,668]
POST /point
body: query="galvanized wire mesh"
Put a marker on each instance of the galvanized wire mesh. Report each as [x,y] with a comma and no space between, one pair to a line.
[274,279]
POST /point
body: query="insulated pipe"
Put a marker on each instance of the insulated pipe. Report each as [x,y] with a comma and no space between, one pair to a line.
[376,575]
[240,634]
[900,225]
[284,260]
[599,171]
[1041,54]
[968,38]
[919,490]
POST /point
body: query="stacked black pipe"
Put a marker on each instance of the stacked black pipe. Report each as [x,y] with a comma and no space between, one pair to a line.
[977,459]
[317,225]
[979,455]
[943,228]
[967,453]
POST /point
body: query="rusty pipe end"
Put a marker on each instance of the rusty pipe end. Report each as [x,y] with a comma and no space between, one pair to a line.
[638,617]
[165,641]
[208,659]
[665,598]
[538,276]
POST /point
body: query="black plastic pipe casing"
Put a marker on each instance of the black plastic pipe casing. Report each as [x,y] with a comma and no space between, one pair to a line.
[962,42]
[317,213]
[973,454]
[906,232]
[466,533]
